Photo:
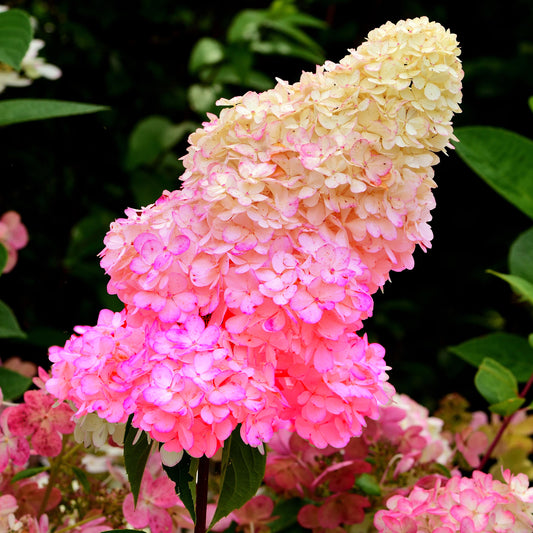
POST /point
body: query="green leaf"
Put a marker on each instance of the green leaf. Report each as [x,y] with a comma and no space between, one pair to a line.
[521,256]
[503,159]
[153,136]
[184,475]
[368,484]
[86,239]
[15,37]
[29,472]
[521,286]
[530,103]
[495,382]
[3,258]
[286,48]
[28,109]
[13,384]
[136,452]
[282,26]
[287,511]
[512,351]
[245,25]
[507,407]
[9,326]
[202,98]
[242,471]
[81,476]
[206,51]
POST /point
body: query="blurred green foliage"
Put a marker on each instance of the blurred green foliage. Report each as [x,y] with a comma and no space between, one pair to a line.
[159,65]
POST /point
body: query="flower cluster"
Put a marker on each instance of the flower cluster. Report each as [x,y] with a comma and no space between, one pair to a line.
[398,450]
[476,504]
[244,290]
[13,236]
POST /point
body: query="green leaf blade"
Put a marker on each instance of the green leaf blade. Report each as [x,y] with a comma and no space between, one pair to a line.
[184,476]
[9,327]
[136,452]
[3,257]
[521,256]
[15,37]
[507,407]
[512,351]
[13,384]
[243,468]
[495,382]
[504,159]
[29,472]
[27,109]
[521,286]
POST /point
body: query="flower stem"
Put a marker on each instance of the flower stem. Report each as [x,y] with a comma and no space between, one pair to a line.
[201,495]
[503,427]
[54,470]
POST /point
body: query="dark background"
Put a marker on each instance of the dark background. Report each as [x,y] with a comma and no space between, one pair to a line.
[134,58]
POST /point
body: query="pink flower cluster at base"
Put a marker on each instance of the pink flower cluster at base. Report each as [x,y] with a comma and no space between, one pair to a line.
[14,236]
[244,291]
[479,504]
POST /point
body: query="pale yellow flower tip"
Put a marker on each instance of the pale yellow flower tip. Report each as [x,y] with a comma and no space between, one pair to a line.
[412,75]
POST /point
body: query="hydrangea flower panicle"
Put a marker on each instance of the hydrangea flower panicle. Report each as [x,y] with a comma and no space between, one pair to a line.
[245,289]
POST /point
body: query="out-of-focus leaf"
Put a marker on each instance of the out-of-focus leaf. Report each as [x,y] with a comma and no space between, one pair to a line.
[368,484]
[81,476]
[507,407]
[9,327]
[521,256]
[206,51]
[503,159]
[3,258]
[13,384]
[521,286]
[28,109]
[286,48]
[29,472]
[495,383]
[287,513]
[153,136]
[15,37]
[202,98]
[512,351]
[245,25]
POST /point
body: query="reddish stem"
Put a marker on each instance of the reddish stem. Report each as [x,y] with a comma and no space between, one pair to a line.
[201,495]
[503,427]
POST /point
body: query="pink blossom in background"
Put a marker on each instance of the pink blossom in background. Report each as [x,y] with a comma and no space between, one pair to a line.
[245,290]
[13,235]
[156,495]
[13,449]
[476,504]
[39,418]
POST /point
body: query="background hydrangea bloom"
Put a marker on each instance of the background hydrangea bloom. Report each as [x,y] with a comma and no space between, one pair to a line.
[476,504]
[244,290]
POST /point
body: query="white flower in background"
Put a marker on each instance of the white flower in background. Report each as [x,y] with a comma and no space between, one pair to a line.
[91,429]
[32,66]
